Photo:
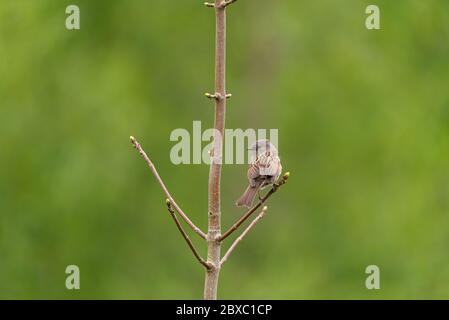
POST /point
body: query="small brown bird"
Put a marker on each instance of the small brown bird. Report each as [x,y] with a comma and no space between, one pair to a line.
[264,169]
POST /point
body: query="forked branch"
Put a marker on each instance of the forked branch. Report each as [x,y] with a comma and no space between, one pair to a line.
[244,233]
[150,164]
[185,236]
[239,222]
[222,5]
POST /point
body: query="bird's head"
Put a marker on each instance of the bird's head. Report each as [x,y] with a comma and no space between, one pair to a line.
[261,146]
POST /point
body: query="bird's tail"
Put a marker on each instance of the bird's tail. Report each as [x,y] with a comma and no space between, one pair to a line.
[248,196]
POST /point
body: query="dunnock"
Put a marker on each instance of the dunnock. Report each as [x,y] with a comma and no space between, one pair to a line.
[264,169]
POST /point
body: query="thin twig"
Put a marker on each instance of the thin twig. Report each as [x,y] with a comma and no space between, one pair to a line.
[222,5]
[185,236]
[244,233]
[226,3]
[239,222]
[138,147]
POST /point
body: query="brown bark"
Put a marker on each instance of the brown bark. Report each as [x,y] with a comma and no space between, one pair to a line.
[214,209]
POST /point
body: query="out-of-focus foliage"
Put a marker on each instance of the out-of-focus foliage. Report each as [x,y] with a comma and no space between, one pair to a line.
[363,120]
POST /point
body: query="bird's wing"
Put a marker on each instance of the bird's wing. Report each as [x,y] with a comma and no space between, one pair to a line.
[253,172]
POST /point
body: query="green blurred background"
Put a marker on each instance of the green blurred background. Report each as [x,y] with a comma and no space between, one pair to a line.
[363,120]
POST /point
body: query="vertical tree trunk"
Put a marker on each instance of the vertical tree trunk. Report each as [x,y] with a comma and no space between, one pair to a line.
[214,211]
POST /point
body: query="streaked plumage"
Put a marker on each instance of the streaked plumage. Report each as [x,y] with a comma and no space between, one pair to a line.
[264,170]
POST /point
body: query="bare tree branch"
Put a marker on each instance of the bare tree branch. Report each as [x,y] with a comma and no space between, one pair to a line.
[138,147]
[214,190]
[239,222]
[244,233]
[213,237]
[185,236]
[226,3]
[221,5]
